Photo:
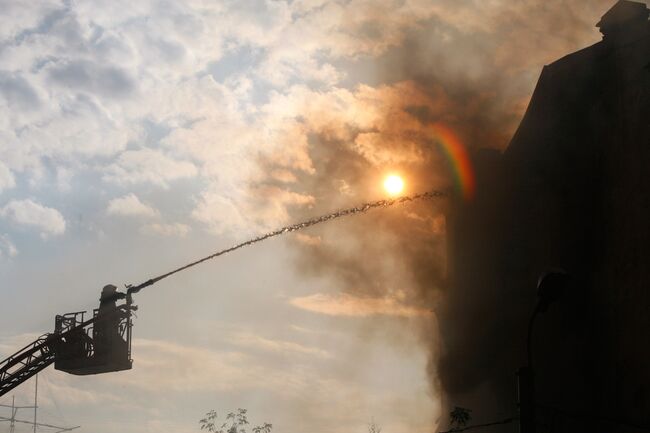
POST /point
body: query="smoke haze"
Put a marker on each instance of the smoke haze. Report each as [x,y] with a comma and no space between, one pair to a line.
[470,66]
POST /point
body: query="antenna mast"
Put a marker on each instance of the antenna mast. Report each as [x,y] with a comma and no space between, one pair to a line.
[14,411]
[35,401]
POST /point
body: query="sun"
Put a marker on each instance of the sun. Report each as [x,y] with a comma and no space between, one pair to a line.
[394,184]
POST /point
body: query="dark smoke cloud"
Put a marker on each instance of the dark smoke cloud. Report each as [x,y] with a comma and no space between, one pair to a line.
[471,67]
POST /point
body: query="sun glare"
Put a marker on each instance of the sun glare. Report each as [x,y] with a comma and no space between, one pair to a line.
[394,184]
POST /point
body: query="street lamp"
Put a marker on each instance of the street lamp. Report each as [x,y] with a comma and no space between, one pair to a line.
[550,287]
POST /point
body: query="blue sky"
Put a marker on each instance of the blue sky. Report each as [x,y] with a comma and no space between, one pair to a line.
[135,136]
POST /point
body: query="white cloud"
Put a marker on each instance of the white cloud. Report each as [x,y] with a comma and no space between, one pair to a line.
[148,166]
[7,180]
[7,248]
[29,213]
[64,179]
[258,342]
[130,205]
[18,92]
[172,367]
[107,81]
[163,229]
[86,79]
[260,210]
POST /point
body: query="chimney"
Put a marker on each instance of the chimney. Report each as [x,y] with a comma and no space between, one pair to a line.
[625,21]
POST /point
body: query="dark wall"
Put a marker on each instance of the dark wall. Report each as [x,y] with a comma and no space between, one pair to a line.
[571,191]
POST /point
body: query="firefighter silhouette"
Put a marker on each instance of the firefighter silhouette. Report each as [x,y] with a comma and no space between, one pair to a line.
[109,342]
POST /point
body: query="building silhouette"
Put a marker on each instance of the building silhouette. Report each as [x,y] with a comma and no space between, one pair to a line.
[572,191]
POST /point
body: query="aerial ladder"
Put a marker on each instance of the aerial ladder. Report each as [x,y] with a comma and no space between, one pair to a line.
[102,343]
[78,345]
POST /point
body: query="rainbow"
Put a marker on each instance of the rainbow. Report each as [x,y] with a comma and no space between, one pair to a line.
[458,159]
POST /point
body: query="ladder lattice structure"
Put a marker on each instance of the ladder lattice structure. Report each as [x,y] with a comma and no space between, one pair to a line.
[28,361]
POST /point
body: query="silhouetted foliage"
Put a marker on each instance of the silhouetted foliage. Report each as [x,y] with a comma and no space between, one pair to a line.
[235,422]
[459,416]
[373,427]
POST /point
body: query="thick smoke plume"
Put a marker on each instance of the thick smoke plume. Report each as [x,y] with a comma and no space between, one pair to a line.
[471,67]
